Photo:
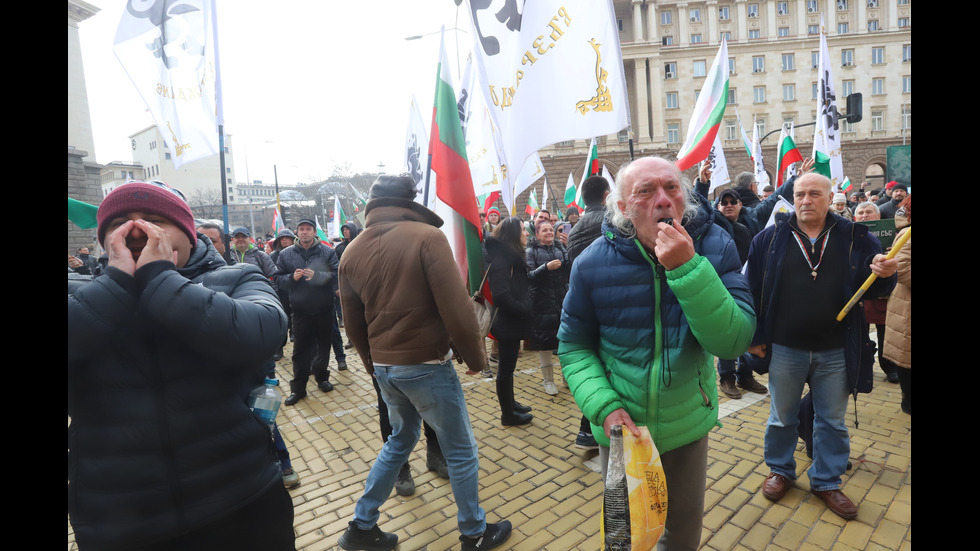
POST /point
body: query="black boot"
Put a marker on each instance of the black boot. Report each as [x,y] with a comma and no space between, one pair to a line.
[521,408]
[505,396]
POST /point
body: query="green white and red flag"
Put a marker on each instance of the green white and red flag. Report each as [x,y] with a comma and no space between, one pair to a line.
[320,234]
[847,186]
[787,154]
[570,200]
[746,142]
[487,200]
[277,224]
[454,185]
[592,164]
[709,111]
[532,204]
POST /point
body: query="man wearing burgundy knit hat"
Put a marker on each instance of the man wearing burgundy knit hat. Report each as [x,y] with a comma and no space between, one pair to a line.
[164,453]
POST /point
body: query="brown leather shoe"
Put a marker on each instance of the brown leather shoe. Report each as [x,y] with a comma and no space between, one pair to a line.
[776,486]
[838,503]
[750,384]
[728,389]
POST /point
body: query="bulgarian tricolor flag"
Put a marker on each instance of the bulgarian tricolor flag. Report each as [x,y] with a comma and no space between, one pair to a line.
[592,164]
[788,154]
[339,218]
[320,234]
[454,185]
[846,187]
[708,113]
[570,198]
[746,142]
[277,224]
[532,204]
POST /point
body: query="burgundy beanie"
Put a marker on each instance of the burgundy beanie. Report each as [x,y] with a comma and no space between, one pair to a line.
[144,197]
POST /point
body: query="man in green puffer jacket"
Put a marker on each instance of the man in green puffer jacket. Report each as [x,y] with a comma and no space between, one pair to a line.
[649,304]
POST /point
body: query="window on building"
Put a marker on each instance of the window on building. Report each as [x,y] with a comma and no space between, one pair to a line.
[153,144]
[758,64]
[877,121]
[813,29]
[877,55]
[166,155]
[753,10]
[695,39]
[697,94]
[725,35]
[841,5]
[904,22]
[754,34]
[907,117]
[846,58]
[760,126]
[872,3]
[904,2]
[906,52]
[565,143]
[699,68]
[731,96]
[872,25]
[731,65]
[671,100]
[623,136]
[789,92]
[907,84]
[723,13]
[731,131]
[789,62]
[670,70]
[815,59]
[782,8]
[228,179]
[814,91]
[789,120]
[846,88]
[877,86]
[811,6]
[783,31]
[666,17]
[695,15]
[619,24]
[842,28]
[673,133]
[667,41]
[228,170]
[759,94]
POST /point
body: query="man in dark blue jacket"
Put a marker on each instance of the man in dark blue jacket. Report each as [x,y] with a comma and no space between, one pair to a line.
[308,272]
[802,271]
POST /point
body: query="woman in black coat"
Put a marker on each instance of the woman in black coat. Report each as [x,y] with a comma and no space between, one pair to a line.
[547,267]
[512,322]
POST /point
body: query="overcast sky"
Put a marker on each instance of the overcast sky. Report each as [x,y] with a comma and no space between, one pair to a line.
[307,83]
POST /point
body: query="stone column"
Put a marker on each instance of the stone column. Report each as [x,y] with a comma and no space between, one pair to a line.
[653,24]
[741,21]
[638,22]
[683,29]
[712,23]
[641,123]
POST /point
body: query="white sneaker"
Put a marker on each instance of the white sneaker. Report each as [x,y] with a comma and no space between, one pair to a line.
[550,388]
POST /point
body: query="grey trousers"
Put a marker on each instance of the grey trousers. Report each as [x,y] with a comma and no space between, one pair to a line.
[686,470]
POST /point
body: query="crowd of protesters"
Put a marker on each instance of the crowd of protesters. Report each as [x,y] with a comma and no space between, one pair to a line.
[642,297]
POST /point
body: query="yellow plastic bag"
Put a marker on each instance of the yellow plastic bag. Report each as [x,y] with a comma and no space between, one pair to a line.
[635,491]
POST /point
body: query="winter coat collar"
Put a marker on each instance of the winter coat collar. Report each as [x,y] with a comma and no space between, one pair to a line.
[389,209]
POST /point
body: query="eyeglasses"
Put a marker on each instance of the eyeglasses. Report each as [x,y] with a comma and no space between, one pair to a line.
[729,202]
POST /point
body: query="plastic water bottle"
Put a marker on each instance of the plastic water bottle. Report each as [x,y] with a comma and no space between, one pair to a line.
[264,401]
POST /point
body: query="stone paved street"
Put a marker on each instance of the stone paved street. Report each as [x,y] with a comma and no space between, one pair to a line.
[551,492]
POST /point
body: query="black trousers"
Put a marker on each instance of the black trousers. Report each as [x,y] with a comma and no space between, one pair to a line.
[311,332]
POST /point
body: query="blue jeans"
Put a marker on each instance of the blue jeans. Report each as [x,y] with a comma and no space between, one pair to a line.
[827,374]
[433,393]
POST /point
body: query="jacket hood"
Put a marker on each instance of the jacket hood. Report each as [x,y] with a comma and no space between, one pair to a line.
[390,209]
[277,244]
[204,258]
[353,231]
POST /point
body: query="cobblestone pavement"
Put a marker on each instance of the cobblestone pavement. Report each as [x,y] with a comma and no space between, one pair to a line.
[551,492]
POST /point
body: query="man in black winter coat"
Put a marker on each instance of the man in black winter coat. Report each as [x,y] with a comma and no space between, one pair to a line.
[308,272]
[164,452]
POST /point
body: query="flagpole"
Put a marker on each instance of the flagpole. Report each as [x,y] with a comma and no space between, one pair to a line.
[220,119]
